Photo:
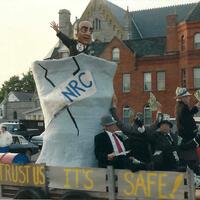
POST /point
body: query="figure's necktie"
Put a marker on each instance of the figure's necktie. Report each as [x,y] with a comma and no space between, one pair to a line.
[169,138]
[119,148]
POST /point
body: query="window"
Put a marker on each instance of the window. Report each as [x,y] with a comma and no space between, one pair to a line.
[183,78]
[115,54]
[147,116]
[161,80]
[196,75]
[97,24]
[126,114]
[147,81]
[14,115]
[197,41]
[126,82]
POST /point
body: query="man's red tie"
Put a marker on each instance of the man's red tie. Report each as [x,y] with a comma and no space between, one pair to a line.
[119,148]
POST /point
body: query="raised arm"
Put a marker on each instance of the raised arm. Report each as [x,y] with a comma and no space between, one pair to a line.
[127,128]
[55,26]
[64,38]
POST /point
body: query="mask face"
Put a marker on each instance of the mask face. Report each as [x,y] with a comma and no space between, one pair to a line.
[84,33]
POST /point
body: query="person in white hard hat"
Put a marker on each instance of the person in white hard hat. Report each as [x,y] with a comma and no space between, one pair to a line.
[187,127]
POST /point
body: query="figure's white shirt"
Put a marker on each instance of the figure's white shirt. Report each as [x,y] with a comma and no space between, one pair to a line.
[114,144]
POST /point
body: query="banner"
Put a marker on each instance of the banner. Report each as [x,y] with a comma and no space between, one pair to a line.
[74,89]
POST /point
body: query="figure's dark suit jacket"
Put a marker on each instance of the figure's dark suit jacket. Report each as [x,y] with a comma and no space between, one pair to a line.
[103,147]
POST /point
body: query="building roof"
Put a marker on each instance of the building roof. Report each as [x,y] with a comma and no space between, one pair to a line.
[37,110]
[23,96]
[96,48]
[194,15]
[147,46]
[117,11]
[153,23]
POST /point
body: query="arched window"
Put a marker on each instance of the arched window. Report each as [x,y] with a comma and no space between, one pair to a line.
[97,24]
[197,41]
[14,115]
[115,54]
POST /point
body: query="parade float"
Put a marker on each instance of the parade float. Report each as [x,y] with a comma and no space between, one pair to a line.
[75,93]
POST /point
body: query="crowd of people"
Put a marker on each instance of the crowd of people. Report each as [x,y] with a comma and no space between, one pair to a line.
[156,147]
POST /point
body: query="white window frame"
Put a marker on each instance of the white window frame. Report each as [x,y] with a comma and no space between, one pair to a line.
[146,82]
[126,83]
[196,77]
[197,41]
[161,80]
[97,24]
[126,114]
[147,116]
[116,54]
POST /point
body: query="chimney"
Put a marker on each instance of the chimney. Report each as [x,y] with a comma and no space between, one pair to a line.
[64,22]
[172,43]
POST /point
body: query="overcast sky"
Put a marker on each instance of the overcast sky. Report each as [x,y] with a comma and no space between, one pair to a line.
[26,35]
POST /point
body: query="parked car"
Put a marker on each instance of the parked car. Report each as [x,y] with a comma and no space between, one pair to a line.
[37,140]
[20,128]
[21,145]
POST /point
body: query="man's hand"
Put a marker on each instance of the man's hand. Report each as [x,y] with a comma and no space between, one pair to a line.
[111,156]
[55,26]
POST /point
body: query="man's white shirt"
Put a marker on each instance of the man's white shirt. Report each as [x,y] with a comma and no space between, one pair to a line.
[116,152]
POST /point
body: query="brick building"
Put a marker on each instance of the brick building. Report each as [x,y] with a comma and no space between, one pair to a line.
[156,51]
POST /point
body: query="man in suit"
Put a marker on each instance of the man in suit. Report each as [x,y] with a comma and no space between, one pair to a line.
[166,148]
[139,136]
[110,148]
[84,38]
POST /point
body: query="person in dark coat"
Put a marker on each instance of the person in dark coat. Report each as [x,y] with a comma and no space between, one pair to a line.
[110,148]
[166,156]
[139,137]
[187,128]
[84,38]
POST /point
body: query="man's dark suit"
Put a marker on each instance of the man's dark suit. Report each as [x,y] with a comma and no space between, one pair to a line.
[72,45]
[168,146]
[103,147]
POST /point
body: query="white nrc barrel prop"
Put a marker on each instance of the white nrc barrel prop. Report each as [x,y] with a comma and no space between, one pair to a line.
[74,94]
